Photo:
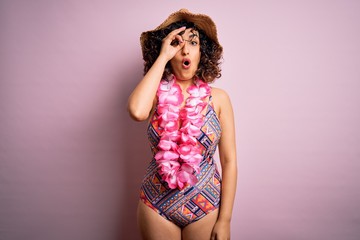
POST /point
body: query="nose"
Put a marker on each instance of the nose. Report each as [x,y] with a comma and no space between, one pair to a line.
[185,49]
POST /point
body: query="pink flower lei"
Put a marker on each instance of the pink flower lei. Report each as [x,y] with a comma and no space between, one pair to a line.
[179,156]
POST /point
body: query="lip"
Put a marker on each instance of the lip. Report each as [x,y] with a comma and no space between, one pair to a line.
[186,63]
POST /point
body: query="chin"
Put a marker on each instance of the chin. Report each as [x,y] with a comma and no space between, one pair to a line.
[185,76]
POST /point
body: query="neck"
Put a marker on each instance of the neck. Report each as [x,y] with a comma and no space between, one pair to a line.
[185,83]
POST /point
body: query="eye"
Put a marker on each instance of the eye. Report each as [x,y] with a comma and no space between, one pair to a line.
[194,43]
[174,42]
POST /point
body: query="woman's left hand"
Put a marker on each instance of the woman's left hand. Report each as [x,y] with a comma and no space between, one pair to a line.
[221,231]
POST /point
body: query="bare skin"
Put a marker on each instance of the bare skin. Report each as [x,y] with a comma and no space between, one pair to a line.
[154,227]
[215,225]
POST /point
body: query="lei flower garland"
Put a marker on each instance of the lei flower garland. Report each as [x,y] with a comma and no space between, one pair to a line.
[179,156]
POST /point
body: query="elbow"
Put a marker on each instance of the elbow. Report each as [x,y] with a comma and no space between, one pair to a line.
[138,116]
[138,113]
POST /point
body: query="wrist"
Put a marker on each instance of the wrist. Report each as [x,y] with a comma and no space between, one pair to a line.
[163,58]
[224,220]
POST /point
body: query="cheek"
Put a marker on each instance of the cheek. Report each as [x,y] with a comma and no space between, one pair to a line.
[173,62]
[176,59]
[197,59]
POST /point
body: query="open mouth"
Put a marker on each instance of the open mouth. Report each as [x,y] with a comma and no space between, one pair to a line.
[186,63]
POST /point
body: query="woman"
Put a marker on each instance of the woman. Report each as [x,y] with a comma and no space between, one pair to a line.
[182,195]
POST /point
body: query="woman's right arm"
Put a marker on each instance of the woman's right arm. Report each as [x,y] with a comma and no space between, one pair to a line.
[141,99]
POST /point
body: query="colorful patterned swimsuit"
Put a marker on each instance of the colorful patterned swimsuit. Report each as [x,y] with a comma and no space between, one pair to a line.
[192,203]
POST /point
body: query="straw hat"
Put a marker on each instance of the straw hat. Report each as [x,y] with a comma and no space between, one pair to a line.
[202,21]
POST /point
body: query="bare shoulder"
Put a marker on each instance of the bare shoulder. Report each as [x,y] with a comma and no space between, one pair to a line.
[219,93]
[220,99]
[220,96]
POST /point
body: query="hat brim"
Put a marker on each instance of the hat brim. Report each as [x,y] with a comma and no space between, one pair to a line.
[202,21]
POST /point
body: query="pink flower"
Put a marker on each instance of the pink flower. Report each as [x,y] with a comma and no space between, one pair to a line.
[171,126]
[193,102]
[184,150]
[188,112]
[197,122]
[190,129]
[180,183]
[171,179]
[194,162]
[166,167]
[167,113]
[169,170]
[171,96]
[162,108]
[167,145]
[185,175]
[187,139]
[179,156]
[202,91]
[194,117]
[166,155]
[173,136]
[190,154]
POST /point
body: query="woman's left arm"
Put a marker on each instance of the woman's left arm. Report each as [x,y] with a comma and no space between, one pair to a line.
[228,161]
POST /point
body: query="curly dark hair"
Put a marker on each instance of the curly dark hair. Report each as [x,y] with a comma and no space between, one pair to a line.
[211,52]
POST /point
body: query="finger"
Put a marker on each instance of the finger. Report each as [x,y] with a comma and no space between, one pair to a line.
[174,33]
[177,40]
[179,45]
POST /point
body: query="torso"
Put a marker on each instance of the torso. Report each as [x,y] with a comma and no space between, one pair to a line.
[193,202]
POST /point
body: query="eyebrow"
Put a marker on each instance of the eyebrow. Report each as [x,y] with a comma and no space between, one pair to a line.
[193,35]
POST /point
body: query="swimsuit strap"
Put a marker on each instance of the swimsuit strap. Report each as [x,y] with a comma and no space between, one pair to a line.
[210,103]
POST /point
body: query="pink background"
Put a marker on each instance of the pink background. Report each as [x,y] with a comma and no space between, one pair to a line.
[72,160]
